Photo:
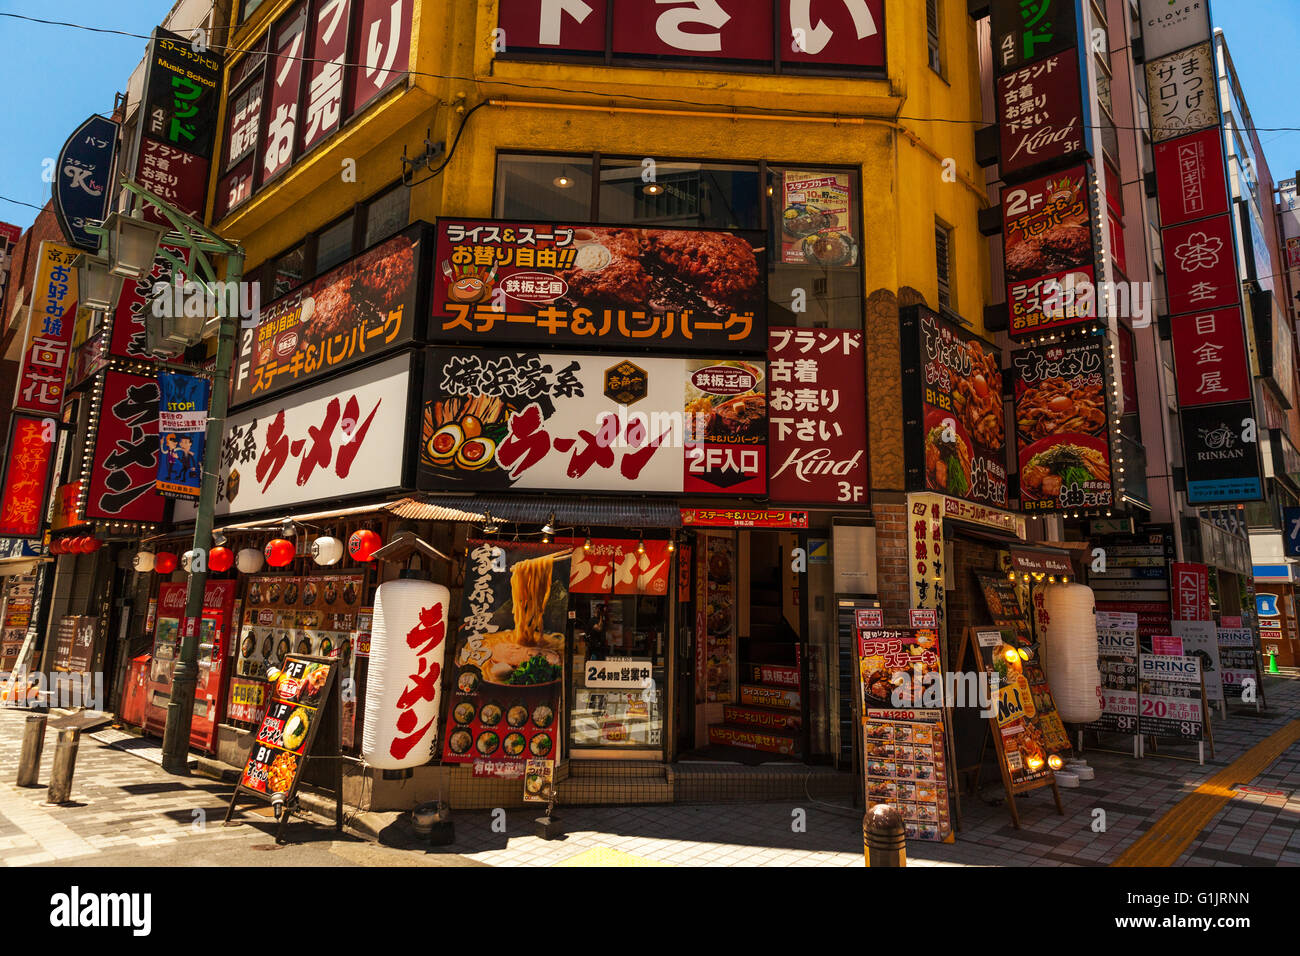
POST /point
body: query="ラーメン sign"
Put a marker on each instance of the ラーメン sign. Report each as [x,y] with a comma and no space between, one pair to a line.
[497,420]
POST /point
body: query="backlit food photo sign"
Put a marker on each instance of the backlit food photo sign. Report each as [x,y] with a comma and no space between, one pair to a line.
[495,420]
[651,289]
[815,33]
[953,410]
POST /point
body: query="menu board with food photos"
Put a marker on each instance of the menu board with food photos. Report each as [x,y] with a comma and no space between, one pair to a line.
[1026,671]
[505,705]
[300,707]
[285,615]
[817,221]
[908,768]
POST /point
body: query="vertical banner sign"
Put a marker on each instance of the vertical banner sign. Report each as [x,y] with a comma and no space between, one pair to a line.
[1117,647]
[1050,251]
[83,184]
[383,48]
[816,432]
[26,476]
[952,400]
[1043,116]
[179,125]
[1063,425]
[1171,25]
[44,365]
[508,664]
[1181,93]
[1025,32]
[1191,592]
[122,452]
[182,434]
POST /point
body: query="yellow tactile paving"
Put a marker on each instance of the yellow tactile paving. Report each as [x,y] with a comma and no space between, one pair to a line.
[1174,832]
[608,856]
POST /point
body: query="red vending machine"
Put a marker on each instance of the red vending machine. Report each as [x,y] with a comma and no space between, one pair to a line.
[214,641]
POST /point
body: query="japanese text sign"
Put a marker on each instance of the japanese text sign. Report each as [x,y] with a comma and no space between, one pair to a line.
[82,184]
[180,107]
[1181,94]
[1201,266]
[817,428]
[44,365]
[574,285]
[358,311]
[1210,358]
[123,451]
[1042,117]
[182,434]
[1191,584]
[498,420]
[1190,178]
[1221,453]
[26,475]
[1025,30]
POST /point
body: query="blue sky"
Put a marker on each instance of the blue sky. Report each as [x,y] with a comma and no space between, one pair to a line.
[52,78]
[1264,39]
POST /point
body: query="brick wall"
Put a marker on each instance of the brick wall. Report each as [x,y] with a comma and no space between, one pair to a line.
[892,581]
[965,599]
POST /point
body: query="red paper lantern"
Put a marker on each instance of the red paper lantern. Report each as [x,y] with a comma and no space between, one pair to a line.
[89,545]
[279,552]
[56,546]
[363,545]
[221,559]
[164,562]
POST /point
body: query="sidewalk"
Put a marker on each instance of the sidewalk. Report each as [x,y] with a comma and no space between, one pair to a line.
[130,812]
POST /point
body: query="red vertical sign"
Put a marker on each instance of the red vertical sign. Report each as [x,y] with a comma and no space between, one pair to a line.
[25,484]
[1191,583]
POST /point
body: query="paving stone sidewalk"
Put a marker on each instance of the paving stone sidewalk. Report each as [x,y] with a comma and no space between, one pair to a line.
[130,812]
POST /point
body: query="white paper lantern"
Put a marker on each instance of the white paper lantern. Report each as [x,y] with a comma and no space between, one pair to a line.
[143,562]
[249,561]
[327,550]
[1070,652]
[394,738]
[187,561]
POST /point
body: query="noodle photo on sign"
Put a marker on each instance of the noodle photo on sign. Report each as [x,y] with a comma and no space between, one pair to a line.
[509,655]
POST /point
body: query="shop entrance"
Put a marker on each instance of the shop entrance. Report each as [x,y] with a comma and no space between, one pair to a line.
[750,628]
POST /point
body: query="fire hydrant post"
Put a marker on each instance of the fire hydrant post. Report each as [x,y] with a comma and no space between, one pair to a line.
[65,761]
[29,761]
[883,836]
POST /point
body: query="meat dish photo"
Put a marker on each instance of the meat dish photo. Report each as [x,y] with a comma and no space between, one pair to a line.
[1057,406]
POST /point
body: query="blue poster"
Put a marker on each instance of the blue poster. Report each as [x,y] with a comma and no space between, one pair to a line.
[182,430]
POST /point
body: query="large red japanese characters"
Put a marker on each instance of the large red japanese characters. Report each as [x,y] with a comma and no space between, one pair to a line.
[122,455]
[407,650]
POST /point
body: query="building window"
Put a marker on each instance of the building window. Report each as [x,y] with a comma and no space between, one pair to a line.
[334,244]
[943,250]
[544,187]
[288,271]
[707,195]
[932,35]
[247,8]
[387,214]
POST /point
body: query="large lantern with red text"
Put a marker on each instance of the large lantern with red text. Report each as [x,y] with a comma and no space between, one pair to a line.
[279,552]
[164,562]
[363,544]
[221,559]
[408,643]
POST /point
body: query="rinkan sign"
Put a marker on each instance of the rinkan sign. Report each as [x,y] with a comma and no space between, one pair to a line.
[1170,25]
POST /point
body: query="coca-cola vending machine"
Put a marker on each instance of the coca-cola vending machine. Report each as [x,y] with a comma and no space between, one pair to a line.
[214,637]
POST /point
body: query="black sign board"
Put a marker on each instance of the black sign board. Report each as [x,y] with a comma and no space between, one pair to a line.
[83,179]
[1024,32]
[181,99]
[1221,454]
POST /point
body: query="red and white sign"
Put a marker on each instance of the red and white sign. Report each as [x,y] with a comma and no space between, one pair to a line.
[1201,266]
[282,110]
[1190,178]
[616,566]
[817,426]
[708,518]
[845,33]
[923,617]
[383,48]
[179,177]
[44,365]
[1040,115]
[1191,587]
[325,72]
[1210,357]
[23,490]
[337,439]
[123,449]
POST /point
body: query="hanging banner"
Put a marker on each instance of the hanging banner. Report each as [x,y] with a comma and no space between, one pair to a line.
[497,420]
[602,287]
[508,663]
[43,368]
[83,183]
[954,431]
[1180,92]
[1190,178]
[121,456]
[25,481]
[1063,425]
[1050,252]
[182,434]
[817,423]
[1210,361]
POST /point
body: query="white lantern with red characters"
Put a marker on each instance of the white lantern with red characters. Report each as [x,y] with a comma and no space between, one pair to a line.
[408,645]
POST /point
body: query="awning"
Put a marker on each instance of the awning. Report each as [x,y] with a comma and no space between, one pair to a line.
[589,512]
[1041,561]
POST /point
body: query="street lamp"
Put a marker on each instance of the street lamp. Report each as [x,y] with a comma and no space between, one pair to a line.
[165,333]
[130,244]
[98,287]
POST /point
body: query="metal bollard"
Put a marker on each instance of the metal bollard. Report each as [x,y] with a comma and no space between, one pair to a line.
[883,836]
[65,761]
[29,761]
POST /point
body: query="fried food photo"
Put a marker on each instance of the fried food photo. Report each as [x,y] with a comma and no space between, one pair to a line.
[1058,406]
